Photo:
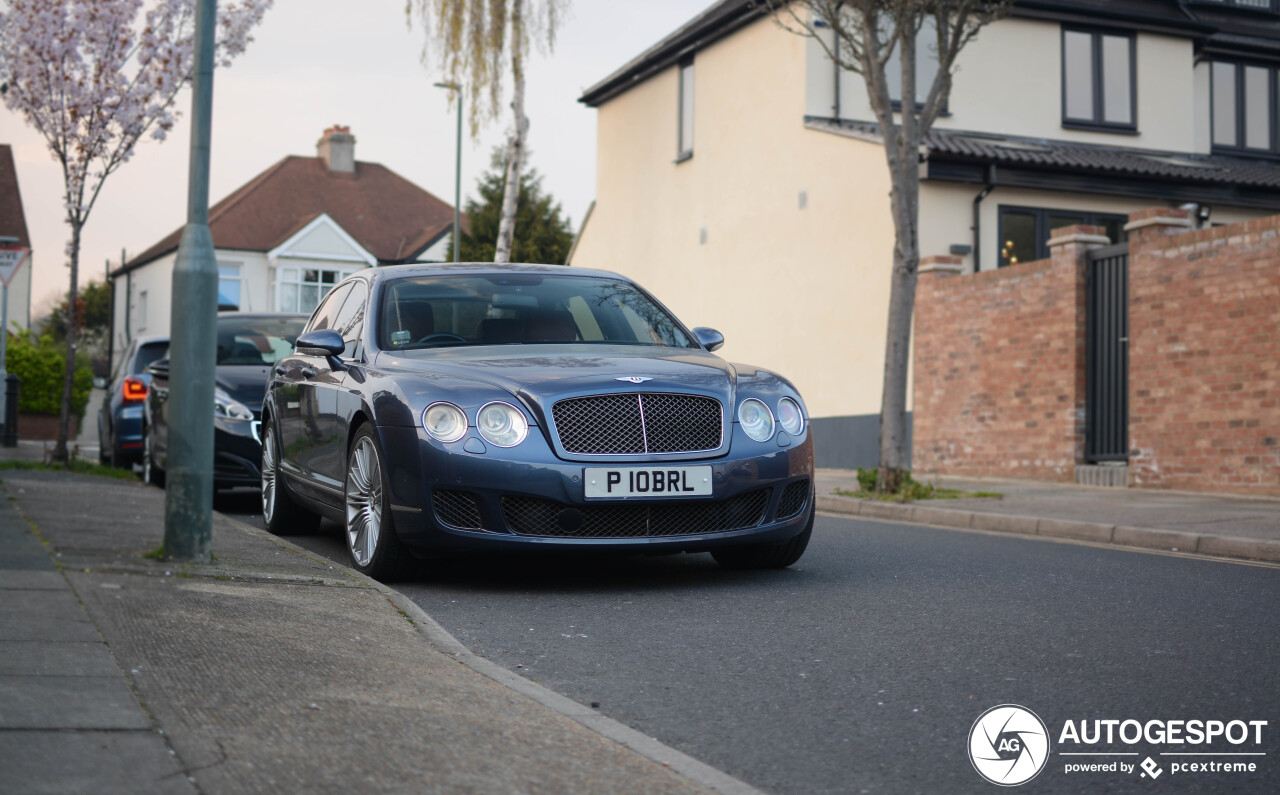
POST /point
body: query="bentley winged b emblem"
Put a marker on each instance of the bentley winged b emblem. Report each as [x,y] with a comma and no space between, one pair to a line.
[634,379]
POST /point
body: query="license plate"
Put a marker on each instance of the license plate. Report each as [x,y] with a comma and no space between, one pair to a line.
[615,482]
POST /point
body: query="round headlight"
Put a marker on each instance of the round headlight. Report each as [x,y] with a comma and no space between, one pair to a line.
[756,419]
[445,421]
[789,416]
[502,424]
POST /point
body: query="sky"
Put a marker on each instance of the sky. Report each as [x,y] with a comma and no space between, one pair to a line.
[316,63]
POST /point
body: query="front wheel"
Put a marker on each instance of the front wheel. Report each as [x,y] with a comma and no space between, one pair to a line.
[371,536]
[280,513]
[766,556]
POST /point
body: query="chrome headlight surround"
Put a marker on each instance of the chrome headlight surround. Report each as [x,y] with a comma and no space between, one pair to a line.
[502,424]
[756,419]
[790,417]
[444,422]
[228,407]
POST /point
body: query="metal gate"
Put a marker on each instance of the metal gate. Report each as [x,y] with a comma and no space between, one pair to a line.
[1107,362]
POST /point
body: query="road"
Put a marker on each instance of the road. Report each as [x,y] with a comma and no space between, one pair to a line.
[863,668]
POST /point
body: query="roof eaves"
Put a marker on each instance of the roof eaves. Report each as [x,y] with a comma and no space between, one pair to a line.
[1176,22]
[713,24]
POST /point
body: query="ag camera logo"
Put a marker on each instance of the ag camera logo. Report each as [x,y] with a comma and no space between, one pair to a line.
[1008,745]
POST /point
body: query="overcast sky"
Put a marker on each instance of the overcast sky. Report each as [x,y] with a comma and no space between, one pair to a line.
[315,63]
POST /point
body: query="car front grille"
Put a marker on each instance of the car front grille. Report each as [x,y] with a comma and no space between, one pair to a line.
[635,424]
[794,497]
[530,516]
[456,509]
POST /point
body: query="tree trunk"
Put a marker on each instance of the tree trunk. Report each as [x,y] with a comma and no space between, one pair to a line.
[60,453]
[515,151]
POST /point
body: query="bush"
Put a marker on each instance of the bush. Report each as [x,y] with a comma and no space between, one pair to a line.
[867,479]
[41,363]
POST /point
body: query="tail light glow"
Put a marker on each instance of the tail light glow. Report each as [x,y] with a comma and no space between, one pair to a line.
[134,390]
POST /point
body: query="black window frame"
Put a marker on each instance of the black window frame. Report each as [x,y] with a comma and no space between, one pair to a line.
[683,153]
[1099,123]
[1273,86]
[1042,215]
[1272,8]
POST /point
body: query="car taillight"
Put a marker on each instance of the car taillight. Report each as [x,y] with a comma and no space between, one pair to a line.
[135,390]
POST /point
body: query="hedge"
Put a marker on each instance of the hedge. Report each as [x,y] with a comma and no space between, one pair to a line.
[41,363]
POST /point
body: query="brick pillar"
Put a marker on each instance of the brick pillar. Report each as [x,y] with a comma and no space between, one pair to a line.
[1145,225]
[942,265]
[1068,247]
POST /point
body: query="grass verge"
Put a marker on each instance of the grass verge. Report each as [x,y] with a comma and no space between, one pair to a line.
[76,465]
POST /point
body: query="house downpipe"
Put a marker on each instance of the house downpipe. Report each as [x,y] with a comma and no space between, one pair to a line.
[977,217]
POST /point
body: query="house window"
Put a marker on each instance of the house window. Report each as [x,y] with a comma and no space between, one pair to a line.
[229,286]
[926,66]
[1245,104]
[1024,231]
[685,148]
[302,288]
[1099,89]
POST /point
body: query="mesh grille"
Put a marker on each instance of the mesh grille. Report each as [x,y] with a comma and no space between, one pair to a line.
[529,516]
[794,497]
[620,424]
[456,509]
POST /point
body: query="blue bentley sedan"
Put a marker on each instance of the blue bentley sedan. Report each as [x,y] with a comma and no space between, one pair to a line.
[435,408]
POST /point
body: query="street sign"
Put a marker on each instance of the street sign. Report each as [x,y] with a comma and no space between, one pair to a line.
[11,260]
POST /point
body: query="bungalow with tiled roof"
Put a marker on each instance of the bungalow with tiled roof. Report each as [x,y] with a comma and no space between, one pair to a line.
[291,233]
[13,233]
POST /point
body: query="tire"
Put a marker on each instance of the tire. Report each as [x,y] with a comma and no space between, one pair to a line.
[766,556]
[368,529]
[281,515]
[152,474]
[104,456]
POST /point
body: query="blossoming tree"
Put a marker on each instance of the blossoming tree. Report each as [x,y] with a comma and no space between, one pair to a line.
[94,77]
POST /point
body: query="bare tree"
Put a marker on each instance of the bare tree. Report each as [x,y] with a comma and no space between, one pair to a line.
[473,37]
[864,36]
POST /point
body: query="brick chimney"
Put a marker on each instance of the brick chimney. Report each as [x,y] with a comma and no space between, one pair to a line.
[337,148]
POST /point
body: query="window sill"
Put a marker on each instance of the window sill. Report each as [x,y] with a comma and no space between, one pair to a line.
[683,156]
[1085,126]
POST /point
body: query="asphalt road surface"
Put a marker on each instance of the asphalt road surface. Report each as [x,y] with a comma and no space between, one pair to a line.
[864,667]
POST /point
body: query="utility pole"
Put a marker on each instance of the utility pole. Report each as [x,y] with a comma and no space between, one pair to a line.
[188,504]
[457,175]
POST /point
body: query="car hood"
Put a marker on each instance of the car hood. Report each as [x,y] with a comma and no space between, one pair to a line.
[245,383]
[541,374]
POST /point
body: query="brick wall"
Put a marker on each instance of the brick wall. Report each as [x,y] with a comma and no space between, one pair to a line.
[999,377]
[1204,358]
[999,360]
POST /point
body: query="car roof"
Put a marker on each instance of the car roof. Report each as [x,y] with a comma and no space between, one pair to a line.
[467,268]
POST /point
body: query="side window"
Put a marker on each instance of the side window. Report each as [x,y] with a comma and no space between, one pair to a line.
[349,320]
[684,148]
[324,314]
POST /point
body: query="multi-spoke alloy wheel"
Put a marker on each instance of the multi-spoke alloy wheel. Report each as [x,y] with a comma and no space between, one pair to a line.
[371,540]
[364,502]
[268,475]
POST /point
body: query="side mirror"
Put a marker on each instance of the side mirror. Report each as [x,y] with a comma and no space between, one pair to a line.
[321,342]
[159,369]
[709,337]
[99,383]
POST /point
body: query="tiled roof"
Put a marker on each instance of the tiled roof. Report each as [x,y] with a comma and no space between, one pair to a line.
[394,219]
[1076,157]
[13,223]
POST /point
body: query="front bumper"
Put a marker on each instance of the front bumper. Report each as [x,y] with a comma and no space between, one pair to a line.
[237,453]
[445,498]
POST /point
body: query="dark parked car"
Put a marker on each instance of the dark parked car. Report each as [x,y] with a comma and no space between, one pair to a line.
[120,418]
[248,346]
[436,408]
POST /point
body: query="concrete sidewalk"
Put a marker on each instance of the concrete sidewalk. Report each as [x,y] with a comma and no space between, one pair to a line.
[271,670]
[1209,524]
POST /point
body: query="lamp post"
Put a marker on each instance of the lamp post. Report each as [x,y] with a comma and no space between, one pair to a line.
[188,504]
[457,176]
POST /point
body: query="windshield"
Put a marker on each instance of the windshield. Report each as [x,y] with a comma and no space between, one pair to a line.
[251,340]
[515,308]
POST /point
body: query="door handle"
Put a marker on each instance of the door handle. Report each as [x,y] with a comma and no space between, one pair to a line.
[307,372]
